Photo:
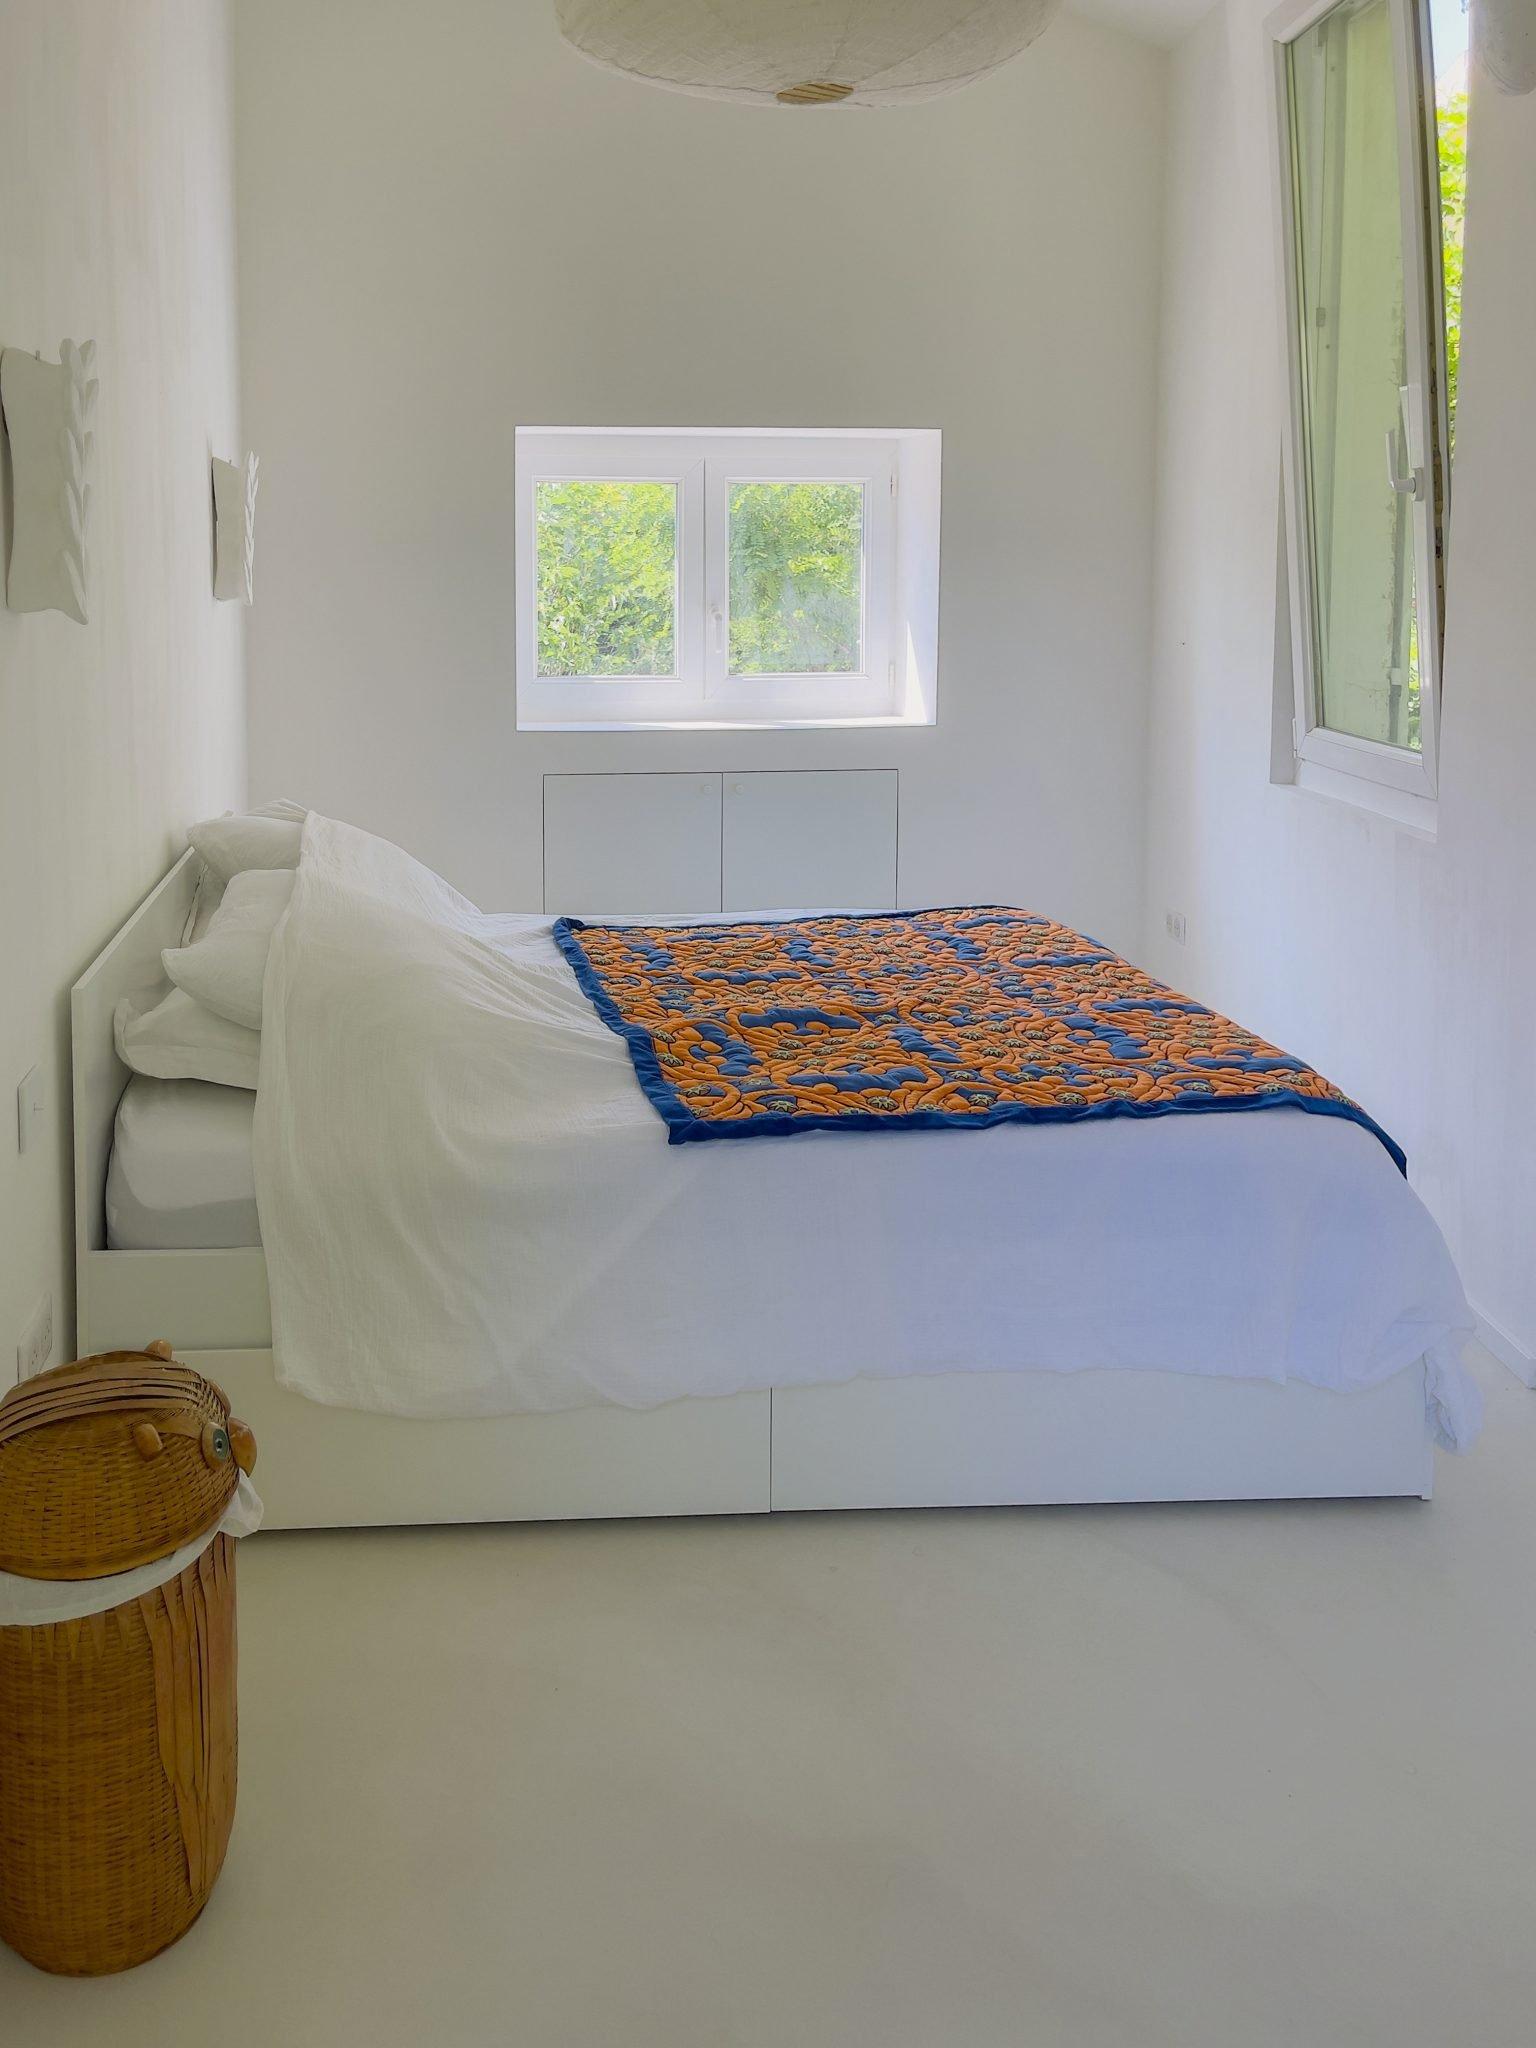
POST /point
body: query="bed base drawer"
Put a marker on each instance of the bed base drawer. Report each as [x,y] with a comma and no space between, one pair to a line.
[333,1468]
[981,1439]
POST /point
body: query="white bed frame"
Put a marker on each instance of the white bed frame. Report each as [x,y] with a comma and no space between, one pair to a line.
[965,1440]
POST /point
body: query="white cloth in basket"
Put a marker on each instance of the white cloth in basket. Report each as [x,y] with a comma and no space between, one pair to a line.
[30,1603]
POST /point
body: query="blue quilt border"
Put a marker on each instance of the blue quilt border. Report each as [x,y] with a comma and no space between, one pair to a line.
[685,1128]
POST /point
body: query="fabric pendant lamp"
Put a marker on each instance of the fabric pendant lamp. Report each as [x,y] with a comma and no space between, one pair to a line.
[804,53]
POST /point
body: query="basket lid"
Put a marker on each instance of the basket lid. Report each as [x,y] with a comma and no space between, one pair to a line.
[112,1462]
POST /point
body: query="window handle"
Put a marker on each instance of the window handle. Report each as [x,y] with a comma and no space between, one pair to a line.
[1410,485]
[717,621]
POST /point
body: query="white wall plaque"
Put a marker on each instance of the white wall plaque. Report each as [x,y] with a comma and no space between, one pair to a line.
[48,410]
[234,527]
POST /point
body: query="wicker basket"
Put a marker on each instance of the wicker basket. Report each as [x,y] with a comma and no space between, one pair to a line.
[118,1731]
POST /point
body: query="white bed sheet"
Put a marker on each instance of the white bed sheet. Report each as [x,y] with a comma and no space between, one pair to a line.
[181,1176]
[470,1208]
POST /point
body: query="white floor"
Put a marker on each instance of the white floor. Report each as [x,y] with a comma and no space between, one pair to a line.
[1061,1778]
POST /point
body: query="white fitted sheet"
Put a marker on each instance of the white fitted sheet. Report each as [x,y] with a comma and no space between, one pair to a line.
[181,1177]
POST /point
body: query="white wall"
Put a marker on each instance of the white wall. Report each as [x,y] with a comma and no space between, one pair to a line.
[117,210]
[1404,968]
[449,225]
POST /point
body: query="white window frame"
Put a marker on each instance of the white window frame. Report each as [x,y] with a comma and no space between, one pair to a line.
[898,639]
[1325,757]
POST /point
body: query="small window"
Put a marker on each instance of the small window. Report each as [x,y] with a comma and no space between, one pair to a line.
[698,578]
[1367,453]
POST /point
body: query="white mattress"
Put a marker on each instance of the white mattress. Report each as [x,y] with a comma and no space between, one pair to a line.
[181,1177]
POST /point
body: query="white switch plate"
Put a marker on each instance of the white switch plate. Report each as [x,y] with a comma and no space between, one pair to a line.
[35,1348]
[31,1101]
[1176,927]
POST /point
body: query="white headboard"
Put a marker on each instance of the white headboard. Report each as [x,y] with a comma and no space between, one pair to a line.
[130,966]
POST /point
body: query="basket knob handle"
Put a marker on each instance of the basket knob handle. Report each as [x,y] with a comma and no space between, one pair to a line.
[160,1348]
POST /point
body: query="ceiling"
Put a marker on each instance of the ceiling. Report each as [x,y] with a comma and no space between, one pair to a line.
[1154,21]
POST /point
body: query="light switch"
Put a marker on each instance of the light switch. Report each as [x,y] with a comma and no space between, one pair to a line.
[31,1101]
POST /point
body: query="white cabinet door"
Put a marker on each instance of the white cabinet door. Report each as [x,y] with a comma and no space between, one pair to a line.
[625,843]
[801,840]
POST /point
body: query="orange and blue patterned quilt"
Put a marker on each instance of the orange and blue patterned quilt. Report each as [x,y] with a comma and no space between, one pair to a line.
[915,1020]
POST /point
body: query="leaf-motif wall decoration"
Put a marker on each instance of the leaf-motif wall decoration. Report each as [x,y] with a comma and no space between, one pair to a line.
[48,410]
[234,532]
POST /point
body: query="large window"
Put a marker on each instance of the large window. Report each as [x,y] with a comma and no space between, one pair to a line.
[1368,452]
[725,579]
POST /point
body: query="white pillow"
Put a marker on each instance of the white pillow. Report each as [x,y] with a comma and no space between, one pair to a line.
[210,886]
[225,969]
[206,898]
[178,1040]
[231,845]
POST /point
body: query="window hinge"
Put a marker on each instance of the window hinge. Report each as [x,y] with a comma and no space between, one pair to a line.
[894,481]
[1295,738]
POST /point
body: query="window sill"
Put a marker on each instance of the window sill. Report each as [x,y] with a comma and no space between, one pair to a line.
[880,722]
[1415,813]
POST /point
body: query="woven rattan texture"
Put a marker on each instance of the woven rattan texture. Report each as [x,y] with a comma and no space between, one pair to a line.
[118,1755]
[78,1497]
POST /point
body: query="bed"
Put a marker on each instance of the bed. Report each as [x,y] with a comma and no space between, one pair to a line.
[830,1428]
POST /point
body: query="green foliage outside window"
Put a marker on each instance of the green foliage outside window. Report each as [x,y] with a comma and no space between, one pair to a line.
[607,577]
[1452,125]
[1451,138]
[797,554]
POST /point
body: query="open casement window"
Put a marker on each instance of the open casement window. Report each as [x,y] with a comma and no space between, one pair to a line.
[700,578]
[1366,473]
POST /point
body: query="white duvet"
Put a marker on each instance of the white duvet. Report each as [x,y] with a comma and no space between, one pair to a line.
[469,1207]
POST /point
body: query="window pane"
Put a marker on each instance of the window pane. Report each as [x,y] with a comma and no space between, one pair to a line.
[797,578]
[1448,35]
[1353,349]
[607,576]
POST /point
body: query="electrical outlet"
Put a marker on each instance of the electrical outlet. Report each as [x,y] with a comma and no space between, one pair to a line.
[1177,929]
[35,1348]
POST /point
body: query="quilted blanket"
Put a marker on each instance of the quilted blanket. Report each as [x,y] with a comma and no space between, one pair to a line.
[958,1018]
